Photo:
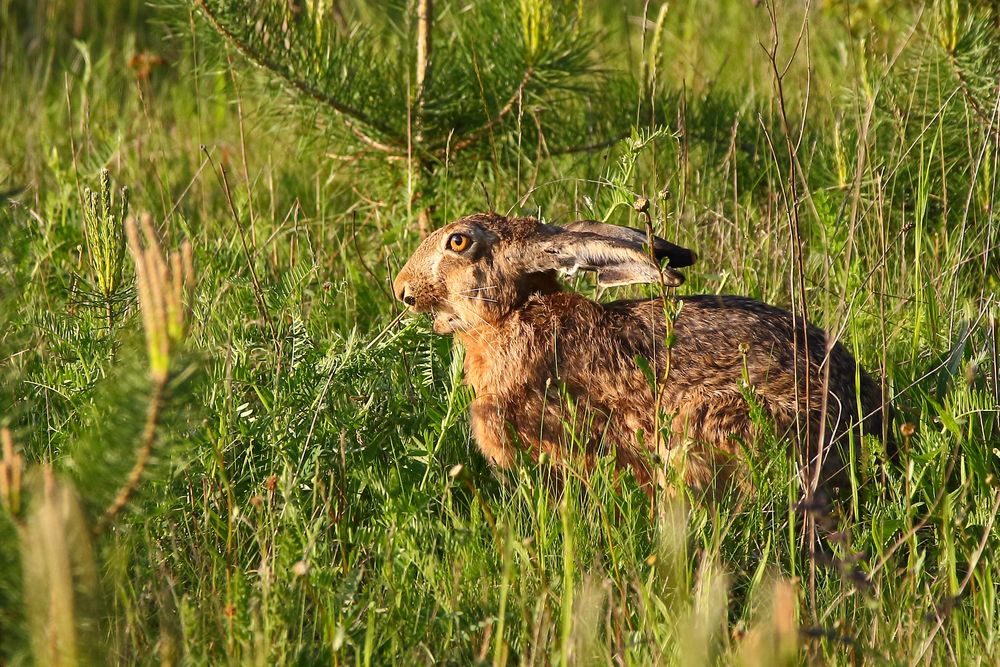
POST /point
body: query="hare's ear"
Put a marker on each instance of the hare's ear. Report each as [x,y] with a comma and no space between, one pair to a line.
[619,255]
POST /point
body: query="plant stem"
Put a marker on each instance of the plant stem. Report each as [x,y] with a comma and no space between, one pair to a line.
[425,21]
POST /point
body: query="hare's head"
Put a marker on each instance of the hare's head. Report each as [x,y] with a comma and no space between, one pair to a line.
[478,269]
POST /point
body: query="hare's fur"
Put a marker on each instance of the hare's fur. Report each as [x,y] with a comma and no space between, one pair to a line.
[560,374]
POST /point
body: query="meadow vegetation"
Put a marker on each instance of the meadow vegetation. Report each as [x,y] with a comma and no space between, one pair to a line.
[222,443]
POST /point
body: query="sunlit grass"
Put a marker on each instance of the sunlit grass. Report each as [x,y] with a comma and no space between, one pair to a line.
[313,495]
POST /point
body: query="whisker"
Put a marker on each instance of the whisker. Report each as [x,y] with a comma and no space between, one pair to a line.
[491,346]
[469,293]
[457,306]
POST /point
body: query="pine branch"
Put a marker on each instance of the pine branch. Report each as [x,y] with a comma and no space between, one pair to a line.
[350,114]
[475,135]
[977,108]
[370,142]
[145,450]
[162,282]
[455,102]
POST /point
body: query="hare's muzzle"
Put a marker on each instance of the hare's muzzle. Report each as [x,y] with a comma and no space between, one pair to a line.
[403,286]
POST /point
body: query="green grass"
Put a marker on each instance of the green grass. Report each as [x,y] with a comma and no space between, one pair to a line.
[314,495]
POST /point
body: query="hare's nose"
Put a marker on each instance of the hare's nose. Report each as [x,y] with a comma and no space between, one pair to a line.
[403,294]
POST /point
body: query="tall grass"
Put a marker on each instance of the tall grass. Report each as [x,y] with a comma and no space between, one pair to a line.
[312,493]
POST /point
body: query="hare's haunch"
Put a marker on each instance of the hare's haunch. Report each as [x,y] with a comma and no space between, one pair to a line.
[552,369]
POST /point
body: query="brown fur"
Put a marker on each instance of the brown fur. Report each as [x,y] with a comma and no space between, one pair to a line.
[540,358]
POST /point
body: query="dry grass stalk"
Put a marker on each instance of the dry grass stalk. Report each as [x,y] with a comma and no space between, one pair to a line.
[589,608]
[60,574]
[774,640]
[162,283]
[11,472]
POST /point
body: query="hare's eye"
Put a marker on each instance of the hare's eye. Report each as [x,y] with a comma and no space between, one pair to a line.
[458,242]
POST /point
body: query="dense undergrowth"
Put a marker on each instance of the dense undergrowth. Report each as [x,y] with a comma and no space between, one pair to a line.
[308,491]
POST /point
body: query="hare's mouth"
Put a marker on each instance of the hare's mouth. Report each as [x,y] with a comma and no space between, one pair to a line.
[446,323]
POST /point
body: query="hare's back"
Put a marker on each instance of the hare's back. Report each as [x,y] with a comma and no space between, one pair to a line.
[720,340]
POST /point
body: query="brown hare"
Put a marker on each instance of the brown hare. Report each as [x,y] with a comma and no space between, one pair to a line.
[557,373]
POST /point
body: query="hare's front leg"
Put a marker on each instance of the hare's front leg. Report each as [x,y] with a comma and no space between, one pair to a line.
[490,431]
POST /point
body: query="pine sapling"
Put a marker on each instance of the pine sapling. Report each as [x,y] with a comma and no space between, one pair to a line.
[104,218]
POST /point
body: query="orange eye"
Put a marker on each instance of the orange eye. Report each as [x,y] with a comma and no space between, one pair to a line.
[458,242]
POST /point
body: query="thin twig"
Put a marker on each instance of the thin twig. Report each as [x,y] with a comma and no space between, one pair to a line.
[258,291]
[361,256]
[661,384]
[583,148]
[416,116]
[425,21]
[792,213]
[243,150]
